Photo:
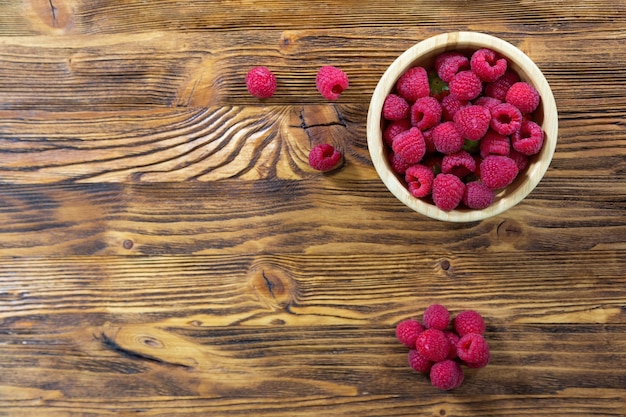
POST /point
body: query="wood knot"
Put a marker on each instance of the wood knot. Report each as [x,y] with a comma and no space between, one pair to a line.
[49,15]
[273,284]
[509,231]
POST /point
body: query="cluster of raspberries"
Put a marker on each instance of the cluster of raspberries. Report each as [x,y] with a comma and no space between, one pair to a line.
[330,82]
[438,346]
[462,130]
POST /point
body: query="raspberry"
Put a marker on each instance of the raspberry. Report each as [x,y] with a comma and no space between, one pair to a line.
[447,138]
[529,139]
[398,165]
[459,163]
[523,96]
[395,108]
[473,350]
[425,113]
[446,375]
[428,138]
[505,119]
[413,84]
[497,171]
[472,121]
[418,362]
[433,345]
[499,87]
[450,105]
[477,195]
[448,64]
[494,143]
[447,191]
[488,65]
[488,102]
[437,317]
[453,338]
[324,157]
[465,85]
[260,82]
[420,180]
[410,145]
[469,321]
[520,159]
[331,82]
[394,128]
[407,332]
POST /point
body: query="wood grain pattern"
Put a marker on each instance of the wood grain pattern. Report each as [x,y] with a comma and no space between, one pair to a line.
[165,249]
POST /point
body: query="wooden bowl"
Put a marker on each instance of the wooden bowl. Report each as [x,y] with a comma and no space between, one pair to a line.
[423,54]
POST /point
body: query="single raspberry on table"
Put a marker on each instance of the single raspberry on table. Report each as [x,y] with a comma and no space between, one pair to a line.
[506,119]
[433,345]
[494,143]
[413,84]
[331,82]
[395,107]
[418,362]
[448,64]
[446,375]
[447,138]
[498,171]
[477,195]
[472,121]
[465,85]
[425,113]
[523,96]
[407,332]
[410,145]
[436,316]
[500,87]
[460,163]
[447,191]
[473,349]
[419,179]
[469,321]
[261,82]
[324,157]
[488,65]
[528,140]
[394,128]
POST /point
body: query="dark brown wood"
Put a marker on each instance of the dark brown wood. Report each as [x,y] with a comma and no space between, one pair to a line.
[165,249]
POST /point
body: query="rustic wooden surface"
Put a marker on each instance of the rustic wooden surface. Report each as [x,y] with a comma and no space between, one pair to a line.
[166,251]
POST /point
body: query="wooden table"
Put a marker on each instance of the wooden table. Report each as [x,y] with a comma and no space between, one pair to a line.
[166,250]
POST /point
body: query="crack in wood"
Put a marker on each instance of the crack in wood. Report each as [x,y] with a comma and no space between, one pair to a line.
[53,9]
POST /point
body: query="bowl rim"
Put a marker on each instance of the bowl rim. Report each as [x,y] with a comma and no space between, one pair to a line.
[429,47]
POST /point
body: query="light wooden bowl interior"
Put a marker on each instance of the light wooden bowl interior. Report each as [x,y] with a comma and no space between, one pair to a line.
[423,54]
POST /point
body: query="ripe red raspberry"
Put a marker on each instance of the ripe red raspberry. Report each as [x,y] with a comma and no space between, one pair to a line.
[418,362]
[331,82]
[465,85]
[499,87]
[447,138]
[498,171]
[324,157]
[488,65]
[520,159]
[428,138]
[488,102]
[398,165]
[419,179]
[450,105]
[453,338]
[413,84]
[448,64]
[407,332]
[523,96]
[447,191]
[425,113]
[410,145]
[472,121]
[494,143]
[528,140]
[477,195]
[506,119]
[394,128]
[473,350]
[395,107]
[469,321]
[446,375]
[437,317]
[433,345]
[260,82]
[460,163]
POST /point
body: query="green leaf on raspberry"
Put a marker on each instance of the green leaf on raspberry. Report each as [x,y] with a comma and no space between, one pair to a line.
[471,146]
[437,85]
